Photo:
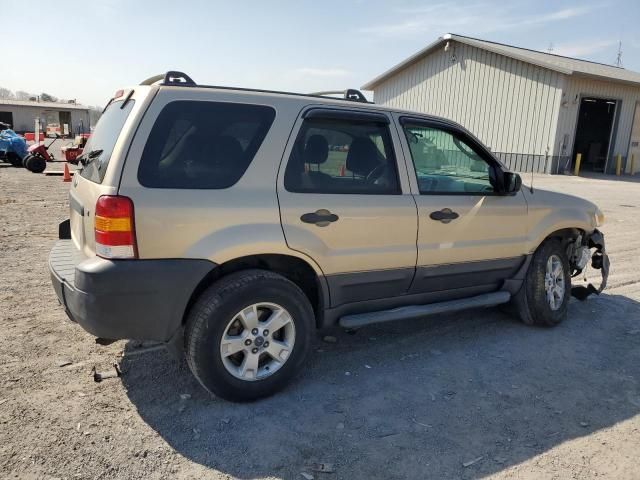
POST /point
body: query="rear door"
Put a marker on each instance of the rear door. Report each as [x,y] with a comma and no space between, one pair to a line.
[103,156]
[471,238]
[345,202]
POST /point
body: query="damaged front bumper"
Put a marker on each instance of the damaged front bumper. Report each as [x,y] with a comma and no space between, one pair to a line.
[599,261]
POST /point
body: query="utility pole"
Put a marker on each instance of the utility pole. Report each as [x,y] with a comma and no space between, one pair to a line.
[619,58]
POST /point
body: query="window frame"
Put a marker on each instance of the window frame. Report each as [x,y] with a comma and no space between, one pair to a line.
[344,115]
[496,168]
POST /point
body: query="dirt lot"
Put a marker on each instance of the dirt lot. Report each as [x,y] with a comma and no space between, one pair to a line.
[465,396]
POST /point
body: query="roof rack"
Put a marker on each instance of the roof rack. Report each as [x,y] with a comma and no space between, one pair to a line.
[180,79]
[173,78]
[348,94]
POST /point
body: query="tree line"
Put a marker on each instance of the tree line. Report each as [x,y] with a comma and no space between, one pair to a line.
[7,94]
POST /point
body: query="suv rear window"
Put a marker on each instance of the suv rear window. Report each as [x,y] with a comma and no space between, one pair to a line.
[103,139]
[203,145]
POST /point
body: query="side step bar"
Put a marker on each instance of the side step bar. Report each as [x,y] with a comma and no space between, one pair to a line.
[417,311]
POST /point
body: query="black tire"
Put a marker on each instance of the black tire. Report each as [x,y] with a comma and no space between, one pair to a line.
[14,159]
[36,164]
[26,159]
[216,307]
[531,301]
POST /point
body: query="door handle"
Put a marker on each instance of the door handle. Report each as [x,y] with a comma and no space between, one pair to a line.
[445,215]
[321,218]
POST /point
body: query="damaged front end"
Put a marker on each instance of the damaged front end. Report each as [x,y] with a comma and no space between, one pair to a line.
[579,256]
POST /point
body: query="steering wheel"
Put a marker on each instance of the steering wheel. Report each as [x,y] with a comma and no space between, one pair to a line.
[376,173]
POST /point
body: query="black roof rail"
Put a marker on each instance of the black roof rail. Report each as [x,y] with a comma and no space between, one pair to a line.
[181,79]
[173,78]
[348,94]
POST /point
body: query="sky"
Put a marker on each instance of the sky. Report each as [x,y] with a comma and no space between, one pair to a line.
[86,50]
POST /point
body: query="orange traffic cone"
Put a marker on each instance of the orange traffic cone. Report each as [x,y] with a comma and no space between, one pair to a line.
[342,171]
[67,176]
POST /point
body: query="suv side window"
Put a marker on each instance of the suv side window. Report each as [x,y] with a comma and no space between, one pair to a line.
[445,163]
[343,156]
[203,145]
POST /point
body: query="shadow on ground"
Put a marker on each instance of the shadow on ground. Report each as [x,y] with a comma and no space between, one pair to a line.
[415,400]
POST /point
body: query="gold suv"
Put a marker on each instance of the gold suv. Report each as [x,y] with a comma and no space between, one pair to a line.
[232,223]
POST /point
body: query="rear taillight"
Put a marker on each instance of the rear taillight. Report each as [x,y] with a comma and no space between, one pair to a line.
[115,227]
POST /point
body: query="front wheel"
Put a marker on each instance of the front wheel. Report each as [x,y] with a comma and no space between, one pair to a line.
[248,335]
[544,296]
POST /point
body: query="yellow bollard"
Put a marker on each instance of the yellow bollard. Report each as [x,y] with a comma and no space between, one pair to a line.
[618,164]
[633,161]
[576,170]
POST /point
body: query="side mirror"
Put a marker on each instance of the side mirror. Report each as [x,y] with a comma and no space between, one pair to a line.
[512,182]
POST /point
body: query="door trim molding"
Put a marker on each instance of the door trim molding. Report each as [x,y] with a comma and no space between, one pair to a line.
[436,278]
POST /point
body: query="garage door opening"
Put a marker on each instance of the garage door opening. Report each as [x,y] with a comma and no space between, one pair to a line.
[594,132]
[7,117]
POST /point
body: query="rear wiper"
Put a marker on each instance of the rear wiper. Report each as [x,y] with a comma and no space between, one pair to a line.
[86,158]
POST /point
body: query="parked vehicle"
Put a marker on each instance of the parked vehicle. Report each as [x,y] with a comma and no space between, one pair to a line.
[218,220]
[13,149]
[53,130]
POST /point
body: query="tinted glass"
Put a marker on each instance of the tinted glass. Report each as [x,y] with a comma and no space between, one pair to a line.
[103,139]
[203,145]
[445,163]
[342,156]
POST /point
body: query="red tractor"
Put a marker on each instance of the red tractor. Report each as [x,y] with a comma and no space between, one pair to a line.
[38,155]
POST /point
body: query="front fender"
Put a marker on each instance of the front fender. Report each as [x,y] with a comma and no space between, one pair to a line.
[549,212]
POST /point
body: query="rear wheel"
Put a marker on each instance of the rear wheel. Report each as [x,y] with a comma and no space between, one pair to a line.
[248,335]
[36,164]
[544,296]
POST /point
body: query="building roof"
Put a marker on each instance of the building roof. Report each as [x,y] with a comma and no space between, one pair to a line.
[43,105]
[566,65]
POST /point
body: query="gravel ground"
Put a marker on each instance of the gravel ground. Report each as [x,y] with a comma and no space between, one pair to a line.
[465,396]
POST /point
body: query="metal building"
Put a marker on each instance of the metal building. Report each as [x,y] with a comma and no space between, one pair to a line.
[22,114]
[535,110]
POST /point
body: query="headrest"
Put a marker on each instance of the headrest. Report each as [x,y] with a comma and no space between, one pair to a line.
[316,151]
[228,148]
[362,157]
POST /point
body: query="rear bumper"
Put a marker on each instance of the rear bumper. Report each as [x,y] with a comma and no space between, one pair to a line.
[124,299]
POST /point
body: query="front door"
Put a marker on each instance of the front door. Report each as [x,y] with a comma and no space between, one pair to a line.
[470,237]
[345,202]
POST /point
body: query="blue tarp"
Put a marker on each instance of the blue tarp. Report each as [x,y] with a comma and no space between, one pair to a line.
[10,141]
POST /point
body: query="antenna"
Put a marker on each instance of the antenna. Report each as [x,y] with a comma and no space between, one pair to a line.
[550,49]
[619,57]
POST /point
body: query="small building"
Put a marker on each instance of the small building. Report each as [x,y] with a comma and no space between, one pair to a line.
[21,114]
[535,110]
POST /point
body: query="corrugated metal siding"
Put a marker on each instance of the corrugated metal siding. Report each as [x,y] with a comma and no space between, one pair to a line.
[627,96]
[510,105]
